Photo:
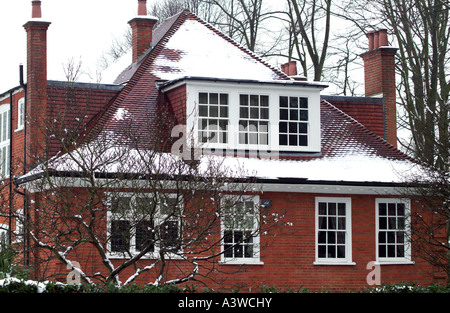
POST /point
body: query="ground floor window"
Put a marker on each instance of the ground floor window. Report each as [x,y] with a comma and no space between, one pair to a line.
[240,230]
[143,223]
[333,230]
[392,220]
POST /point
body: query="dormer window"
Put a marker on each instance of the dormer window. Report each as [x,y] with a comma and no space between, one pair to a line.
[293,121]
[276,116]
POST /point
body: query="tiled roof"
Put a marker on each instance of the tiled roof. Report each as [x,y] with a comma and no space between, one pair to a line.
[369,111]
[72,106]
[341,134]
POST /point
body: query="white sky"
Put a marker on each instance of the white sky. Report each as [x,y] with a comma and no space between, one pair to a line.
[81,30]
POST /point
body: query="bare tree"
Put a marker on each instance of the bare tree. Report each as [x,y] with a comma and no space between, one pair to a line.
[421,32]
[311,18]
[124,208]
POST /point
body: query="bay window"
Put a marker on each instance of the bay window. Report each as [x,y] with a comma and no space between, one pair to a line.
[138,223]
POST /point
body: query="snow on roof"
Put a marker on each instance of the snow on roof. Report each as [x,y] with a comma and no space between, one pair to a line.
[196,50]
[351,168]
[356,168]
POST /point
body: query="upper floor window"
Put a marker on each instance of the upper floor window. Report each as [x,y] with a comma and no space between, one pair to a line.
[213,117]
[239,116]
[294,121]
[5,135]
[253,119]
[20,113]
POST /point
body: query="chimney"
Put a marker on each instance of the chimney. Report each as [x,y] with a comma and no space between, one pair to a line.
[290,69]
[379,79]
[36,30]
[142,30]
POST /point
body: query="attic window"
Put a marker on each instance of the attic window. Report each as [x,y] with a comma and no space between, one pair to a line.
[240,116]
[253,119]
[213,117]
[293,121]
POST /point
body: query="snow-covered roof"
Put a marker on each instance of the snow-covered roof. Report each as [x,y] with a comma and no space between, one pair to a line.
[368,169]
[185,46]
[196,50]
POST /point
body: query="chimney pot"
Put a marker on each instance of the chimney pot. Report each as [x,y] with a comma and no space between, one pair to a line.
[292,68]
[383,41]
[36,9]
[142,7]
[376,40]
[370,35]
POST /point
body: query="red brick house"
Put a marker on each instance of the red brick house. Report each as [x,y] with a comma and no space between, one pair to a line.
[328,164]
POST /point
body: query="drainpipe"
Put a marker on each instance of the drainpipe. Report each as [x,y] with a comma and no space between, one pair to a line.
[25,195]
[10,165]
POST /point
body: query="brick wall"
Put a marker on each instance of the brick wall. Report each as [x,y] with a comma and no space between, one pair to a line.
[288,257]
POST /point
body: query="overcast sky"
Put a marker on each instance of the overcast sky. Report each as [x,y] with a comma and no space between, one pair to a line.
[81,30]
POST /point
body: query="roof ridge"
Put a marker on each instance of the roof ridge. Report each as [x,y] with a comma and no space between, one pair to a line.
[238,45]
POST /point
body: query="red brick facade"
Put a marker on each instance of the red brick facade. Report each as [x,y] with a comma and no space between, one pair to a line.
[287,256]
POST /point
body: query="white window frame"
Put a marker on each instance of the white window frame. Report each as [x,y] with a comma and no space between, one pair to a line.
[159,218]
[4,229]
[255,259]
[5,139]
[406,259]
[20,227]
[273,91]
[20,114]
[347,260]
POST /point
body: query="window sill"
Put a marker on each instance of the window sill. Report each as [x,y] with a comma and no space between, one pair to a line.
[395,262]
[241,262]
[19,129]
[334,263]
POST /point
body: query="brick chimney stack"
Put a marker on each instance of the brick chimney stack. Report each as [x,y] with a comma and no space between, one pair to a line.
[290,69]
[379,78]
[142,30]
[36,30]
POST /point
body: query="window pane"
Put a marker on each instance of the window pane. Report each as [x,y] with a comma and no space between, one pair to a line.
[254,100]
[203,98]
[223,99]
[284,101]
[169,234]
[340,237]
[213,98]
[341,251]
[382,209]
[264,101]
[120,236]
[331,237]
[144,236]
[293,102]
[213,111]
[322,208]
[303,115]
[322,237]
[243,100]
[304,103]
